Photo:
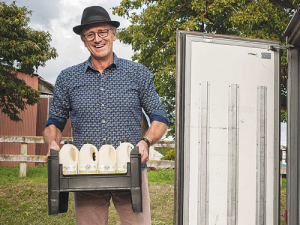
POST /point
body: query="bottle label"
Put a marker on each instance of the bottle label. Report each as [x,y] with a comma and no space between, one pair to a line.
[87,168]
[122,168]
[107,169]
[69,169]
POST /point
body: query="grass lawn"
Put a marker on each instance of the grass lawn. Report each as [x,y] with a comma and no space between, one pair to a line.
[25,200]
[282,202]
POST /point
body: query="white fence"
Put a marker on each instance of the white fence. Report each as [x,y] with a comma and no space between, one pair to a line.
[23,158]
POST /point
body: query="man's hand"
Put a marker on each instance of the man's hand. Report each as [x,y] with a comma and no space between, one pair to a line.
[143,149]
[155,132]
[52,138]
[53,145]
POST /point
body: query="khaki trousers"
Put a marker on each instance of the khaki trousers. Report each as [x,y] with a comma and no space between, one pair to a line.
[91,208]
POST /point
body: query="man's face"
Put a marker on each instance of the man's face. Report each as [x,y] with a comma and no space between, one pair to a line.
[100,48]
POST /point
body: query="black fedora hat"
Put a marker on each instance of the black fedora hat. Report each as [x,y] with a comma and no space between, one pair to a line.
[92,15]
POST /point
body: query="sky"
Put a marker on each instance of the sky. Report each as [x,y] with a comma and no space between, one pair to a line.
[58,17]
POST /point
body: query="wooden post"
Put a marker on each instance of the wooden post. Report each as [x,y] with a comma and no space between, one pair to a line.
[23,165]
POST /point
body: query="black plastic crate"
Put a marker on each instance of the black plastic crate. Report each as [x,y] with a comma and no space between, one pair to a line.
[59,185]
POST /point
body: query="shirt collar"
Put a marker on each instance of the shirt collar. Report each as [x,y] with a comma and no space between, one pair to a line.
[88,63]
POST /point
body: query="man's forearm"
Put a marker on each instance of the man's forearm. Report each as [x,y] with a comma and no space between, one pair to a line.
[156,131]
[52,137]
[154,134]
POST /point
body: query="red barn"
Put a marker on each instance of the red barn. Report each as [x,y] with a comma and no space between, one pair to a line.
[34,120]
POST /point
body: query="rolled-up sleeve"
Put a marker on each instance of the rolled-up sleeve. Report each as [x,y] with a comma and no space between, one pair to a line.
[150,100]
[60,104]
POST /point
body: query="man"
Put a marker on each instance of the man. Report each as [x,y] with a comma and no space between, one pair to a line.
[105,96]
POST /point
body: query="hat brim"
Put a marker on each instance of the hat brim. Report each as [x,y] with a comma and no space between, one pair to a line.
[78,29]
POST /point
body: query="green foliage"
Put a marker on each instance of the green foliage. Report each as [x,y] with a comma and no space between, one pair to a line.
[23,49]
[163,150]
[283,116]
[152,32]
[161,176]
[283,186]
[170,155]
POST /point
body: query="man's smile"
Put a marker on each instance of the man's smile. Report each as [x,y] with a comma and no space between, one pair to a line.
[99,46]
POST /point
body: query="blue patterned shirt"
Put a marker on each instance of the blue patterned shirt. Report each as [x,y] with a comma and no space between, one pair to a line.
[105,107]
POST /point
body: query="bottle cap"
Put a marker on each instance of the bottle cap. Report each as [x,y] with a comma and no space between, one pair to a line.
[125,140]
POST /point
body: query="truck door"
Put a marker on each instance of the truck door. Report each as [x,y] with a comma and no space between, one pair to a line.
[227,130]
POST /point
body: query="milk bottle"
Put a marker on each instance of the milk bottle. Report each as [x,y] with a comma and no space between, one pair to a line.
[123,155]
[107,159]
[87,162]
[68,157]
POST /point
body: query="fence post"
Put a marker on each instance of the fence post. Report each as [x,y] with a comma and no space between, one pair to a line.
[23,165]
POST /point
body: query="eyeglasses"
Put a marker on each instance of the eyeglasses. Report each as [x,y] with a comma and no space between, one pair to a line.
[101,33]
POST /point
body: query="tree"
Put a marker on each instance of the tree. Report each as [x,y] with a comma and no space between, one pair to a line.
[23,49]
[152,32]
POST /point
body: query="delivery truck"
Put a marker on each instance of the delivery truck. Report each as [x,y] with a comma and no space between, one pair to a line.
[227,130]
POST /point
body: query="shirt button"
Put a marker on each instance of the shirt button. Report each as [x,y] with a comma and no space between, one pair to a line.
[102,104]
[103,121]
[104,139]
